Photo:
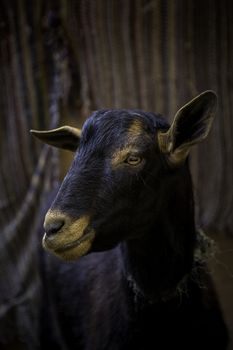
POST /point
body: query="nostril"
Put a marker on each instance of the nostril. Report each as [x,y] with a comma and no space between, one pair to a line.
[53,227]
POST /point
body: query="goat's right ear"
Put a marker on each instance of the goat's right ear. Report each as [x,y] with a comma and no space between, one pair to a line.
[191,125]
[65,137]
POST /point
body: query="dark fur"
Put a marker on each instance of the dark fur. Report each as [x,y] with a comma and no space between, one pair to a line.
[125,295]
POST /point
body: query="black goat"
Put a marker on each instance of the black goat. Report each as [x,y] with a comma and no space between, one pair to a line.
[128,200]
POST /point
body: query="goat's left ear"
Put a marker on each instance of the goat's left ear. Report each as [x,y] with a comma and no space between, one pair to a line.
[65,137]
[191,125]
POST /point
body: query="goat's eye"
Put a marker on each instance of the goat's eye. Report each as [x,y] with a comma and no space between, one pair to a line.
[133,160]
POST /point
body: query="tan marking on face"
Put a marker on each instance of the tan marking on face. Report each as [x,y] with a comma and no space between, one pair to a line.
[133,133]
[120,155]
[135,129]
[77,251]
[69,243]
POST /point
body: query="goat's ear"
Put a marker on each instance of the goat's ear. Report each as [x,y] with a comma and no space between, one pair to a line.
[65,137]
[191,125]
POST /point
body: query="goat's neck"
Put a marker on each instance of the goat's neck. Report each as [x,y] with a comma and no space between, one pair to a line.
[159,260]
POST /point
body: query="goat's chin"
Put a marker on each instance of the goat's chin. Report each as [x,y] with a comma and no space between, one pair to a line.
[74,253]
[70,251]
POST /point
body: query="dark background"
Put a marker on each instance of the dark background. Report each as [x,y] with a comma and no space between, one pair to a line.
[59,60]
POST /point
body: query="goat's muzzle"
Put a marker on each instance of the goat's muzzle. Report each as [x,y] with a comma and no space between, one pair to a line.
[66,237]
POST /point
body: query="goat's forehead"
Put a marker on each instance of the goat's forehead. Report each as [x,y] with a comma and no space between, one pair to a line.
[118,122]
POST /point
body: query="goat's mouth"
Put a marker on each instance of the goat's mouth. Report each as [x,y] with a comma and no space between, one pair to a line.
[86,237]
[72,249]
